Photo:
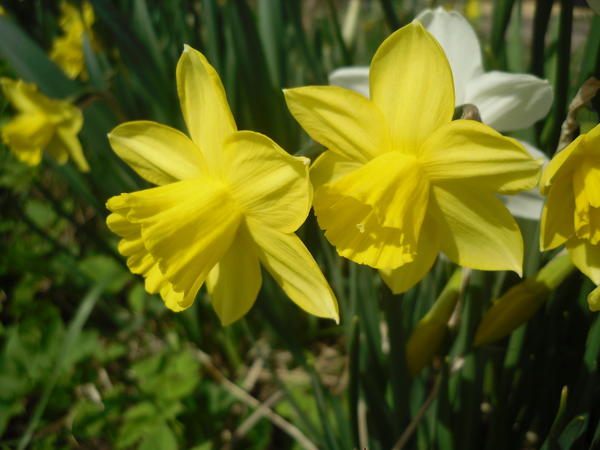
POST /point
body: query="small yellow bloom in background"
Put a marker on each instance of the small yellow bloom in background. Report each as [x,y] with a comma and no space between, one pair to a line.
[400,180]
[571,215]
[67,49]
[41,124]
[226,201]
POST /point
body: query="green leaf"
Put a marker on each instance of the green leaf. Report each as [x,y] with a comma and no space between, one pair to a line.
[31,63]
[74,330]
[160,438]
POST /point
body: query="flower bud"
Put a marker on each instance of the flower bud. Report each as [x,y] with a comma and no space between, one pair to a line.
[521,302]
[428,335]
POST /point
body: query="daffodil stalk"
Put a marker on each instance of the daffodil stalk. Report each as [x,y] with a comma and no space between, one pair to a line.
[522,301]
[226,201]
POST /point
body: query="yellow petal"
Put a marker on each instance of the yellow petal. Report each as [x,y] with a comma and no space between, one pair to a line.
[204,104]
[562,164]
[292,266]
[72,147]
[411,82]
[234,282]
[402,279]
[476,229]
[352,227]
[67,53]
[343,121]
[186,226]
[330,167]
[158,153]
[586,257]
[470,151]
[271,186]
[587,218]
[24,97]
[557,216]
[27,135]
[57,150]
[395,187]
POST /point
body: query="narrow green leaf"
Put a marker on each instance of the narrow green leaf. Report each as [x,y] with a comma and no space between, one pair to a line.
[31,63]
[74,330]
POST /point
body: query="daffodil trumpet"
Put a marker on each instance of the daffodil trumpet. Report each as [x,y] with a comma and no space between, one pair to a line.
[400,181]
[226,201]
[571,215]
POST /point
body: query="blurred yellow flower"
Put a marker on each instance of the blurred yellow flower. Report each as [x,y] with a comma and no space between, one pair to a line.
[41,124]
[227,200]
[571,215]
[400,180]
[67,49]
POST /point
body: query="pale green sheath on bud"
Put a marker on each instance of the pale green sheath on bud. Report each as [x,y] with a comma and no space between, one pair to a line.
[521,302]
[594,300]
[428,335]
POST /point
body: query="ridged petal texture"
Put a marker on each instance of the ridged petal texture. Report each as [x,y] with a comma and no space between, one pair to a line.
[571,215]
[399,180]
[227,201]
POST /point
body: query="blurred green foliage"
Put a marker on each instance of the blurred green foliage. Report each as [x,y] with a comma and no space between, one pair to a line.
[89,360]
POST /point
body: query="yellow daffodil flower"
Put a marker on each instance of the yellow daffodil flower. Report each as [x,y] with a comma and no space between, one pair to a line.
[226,201]
[571,215]
[67,49]
[400,180]
[41,124]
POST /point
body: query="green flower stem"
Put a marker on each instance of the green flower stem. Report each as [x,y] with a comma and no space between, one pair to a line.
[540,26]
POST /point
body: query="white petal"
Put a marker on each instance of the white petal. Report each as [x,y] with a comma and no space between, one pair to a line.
[509,101]
[460,43]
[354,78]
[528,204]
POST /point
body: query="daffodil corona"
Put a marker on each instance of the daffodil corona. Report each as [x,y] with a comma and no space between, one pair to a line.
[41,124]
[400,180]
[571,215]
[226,201]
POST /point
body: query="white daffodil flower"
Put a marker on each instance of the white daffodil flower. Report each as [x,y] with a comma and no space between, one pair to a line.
[506,101]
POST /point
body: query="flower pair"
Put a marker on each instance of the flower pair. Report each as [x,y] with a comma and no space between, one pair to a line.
[399,182]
